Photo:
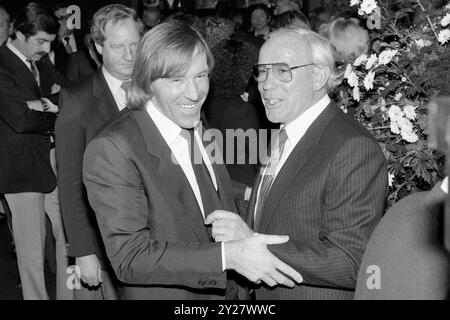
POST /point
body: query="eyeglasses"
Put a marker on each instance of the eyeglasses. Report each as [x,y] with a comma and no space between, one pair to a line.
[281,71]
[63,17]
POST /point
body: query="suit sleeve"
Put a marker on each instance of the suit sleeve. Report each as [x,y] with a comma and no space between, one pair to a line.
[15,112]
[70,146]
[116,193]
[353,204]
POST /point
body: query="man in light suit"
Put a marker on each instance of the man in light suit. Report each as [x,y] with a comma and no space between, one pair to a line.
[85,107]
[150,198]
[28,84]
[327,187]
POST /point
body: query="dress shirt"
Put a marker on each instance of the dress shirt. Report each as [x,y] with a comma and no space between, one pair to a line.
[115,85]
[170,132]
[295,130]
[180,149]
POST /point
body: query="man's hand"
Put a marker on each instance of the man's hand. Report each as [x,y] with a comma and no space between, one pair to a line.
[228,226]
[90,268]
[49,106]
[251,258]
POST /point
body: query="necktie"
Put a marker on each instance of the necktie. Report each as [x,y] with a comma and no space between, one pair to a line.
[210,197]
[126,86]
[34,70]
[67,44]
[269,173]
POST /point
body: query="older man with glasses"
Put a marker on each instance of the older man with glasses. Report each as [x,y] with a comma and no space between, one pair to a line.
[325,182]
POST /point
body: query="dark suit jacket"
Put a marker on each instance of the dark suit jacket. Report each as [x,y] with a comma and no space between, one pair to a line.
[407,247]
[80,65]
[328,197]
[84,108]
[61,55]
[24,133]
[149,218]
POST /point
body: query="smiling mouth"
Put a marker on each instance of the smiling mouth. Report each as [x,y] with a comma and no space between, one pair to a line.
[272,102]
[189,107]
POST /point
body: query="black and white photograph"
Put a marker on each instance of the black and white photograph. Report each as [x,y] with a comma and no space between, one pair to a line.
[227,157]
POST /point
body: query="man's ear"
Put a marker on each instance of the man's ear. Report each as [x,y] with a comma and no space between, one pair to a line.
[321,76]
[99,47]
[20,36]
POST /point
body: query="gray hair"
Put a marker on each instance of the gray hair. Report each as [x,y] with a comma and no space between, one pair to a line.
[113,13]
[165,51]
[321,51]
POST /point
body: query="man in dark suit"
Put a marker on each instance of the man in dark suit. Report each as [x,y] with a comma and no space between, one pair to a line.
[151,182]
[27,164]
[68,41]
[325,182]
[84,108]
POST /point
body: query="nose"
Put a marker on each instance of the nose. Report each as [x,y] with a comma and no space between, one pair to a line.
[128,54]
[192,90]
[269,83]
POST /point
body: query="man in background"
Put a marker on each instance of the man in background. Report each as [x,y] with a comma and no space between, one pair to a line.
[28,85]
[85,107]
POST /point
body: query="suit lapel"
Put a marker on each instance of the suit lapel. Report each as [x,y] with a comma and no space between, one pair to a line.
[170,176]
[294,164]
[21,71]
[107,106]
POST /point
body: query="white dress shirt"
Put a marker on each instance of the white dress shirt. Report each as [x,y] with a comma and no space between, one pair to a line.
[117,91]
[295,130]
[180,149]
[72,43]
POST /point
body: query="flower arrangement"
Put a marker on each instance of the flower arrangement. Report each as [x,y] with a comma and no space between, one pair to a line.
[389,88]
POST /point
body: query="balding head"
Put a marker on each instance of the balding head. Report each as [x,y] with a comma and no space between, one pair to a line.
[4,25]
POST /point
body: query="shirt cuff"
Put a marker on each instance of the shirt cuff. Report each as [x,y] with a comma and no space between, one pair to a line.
[247,194]
[444,185]
[224,264]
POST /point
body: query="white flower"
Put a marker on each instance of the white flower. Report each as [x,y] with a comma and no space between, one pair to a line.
[410,112]
[356,95]
[368,80]
[352,78]
[395,113]
[398,96]
[386,56]
[360,60]
[391,178]
[371,61]
[403,79]
[423,43]
[405,124]
[410,136]
[368,6]
[354,3]
[395,129]
[445,20]
[347,71]
[444,36]
[360,12]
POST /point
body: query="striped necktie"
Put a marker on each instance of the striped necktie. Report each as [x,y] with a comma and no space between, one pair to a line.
[269,174]
[34,70]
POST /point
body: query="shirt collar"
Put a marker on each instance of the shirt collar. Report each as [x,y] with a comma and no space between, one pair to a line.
[168,129]
[113,82]
[17,52]
[297,128]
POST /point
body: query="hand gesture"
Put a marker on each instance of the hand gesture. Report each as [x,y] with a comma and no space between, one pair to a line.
[228,226]
[251,258]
